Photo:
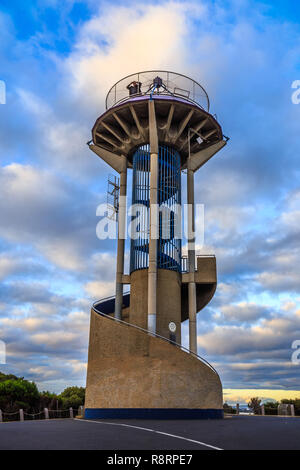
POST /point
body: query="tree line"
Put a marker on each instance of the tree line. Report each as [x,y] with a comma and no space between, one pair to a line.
[16,393]
[270,406]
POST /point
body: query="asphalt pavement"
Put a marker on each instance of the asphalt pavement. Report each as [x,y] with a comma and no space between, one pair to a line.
[232,433]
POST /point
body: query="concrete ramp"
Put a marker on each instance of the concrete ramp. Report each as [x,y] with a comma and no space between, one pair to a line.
[133,374]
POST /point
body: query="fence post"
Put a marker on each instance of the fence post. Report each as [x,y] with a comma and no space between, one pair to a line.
[71,412]
[1,419]
[21,415]
[46,411]
[282,409]
[262,407]
[237,408]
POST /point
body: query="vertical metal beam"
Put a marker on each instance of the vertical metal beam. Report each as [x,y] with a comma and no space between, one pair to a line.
[191,257]
[153,235]
[121,239]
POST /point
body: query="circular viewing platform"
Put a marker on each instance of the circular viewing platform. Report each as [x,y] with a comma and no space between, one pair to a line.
[182,118]
[157,82]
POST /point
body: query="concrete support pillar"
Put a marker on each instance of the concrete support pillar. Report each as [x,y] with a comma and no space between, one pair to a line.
[192,317]
[191,258]
[121,240]
[152,271]
[21,415]
[46,411]
[153,235]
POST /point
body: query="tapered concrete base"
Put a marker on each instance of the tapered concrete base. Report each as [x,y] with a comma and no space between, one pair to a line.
[133,374]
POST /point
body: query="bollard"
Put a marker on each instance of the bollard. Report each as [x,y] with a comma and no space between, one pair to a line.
[21,415]
[46,411]
[237,408]
[282,409]
[262,407]
[1,416]
[71,413]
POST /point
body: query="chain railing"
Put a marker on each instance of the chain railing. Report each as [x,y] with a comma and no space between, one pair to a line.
[22,415]
[33,416]
[6,417]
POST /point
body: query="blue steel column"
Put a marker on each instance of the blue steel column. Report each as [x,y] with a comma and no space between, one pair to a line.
[169,197]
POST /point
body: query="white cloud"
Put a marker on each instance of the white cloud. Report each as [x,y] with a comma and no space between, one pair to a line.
[61,138]
[42,372]
[41,209]
[7,266]
[244,312]
[100,289]
[63,253]
[280,281]
[29,324]
[271,335]
[124,40]
[55,339]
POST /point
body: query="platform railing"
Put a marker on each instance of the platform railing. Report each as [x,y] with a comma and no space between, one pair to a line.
[99,312]
[174,84]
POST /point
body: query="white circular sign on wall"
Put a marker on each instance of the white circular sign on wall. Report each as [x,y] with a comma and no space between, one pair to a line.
[172,327]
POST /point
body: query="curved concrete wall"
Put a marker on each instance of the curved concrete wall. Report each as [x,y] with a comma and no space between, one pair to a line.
[128,368]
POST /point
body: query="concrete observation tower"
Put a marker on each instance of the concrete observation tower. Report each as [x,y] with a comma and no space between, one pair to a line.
[158,125]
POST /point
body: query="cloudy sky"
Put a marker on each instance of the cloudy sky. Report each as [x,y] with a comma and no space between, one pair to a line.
[58,60]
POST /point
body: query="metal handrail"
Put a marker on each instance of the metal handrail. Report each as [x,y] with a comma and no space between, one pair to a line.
[193,88]
[94,307]
[201,256]
[185,260]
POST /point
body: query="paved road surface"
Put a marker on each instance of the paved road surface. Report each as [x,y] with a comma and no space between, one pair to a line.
[240,432]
